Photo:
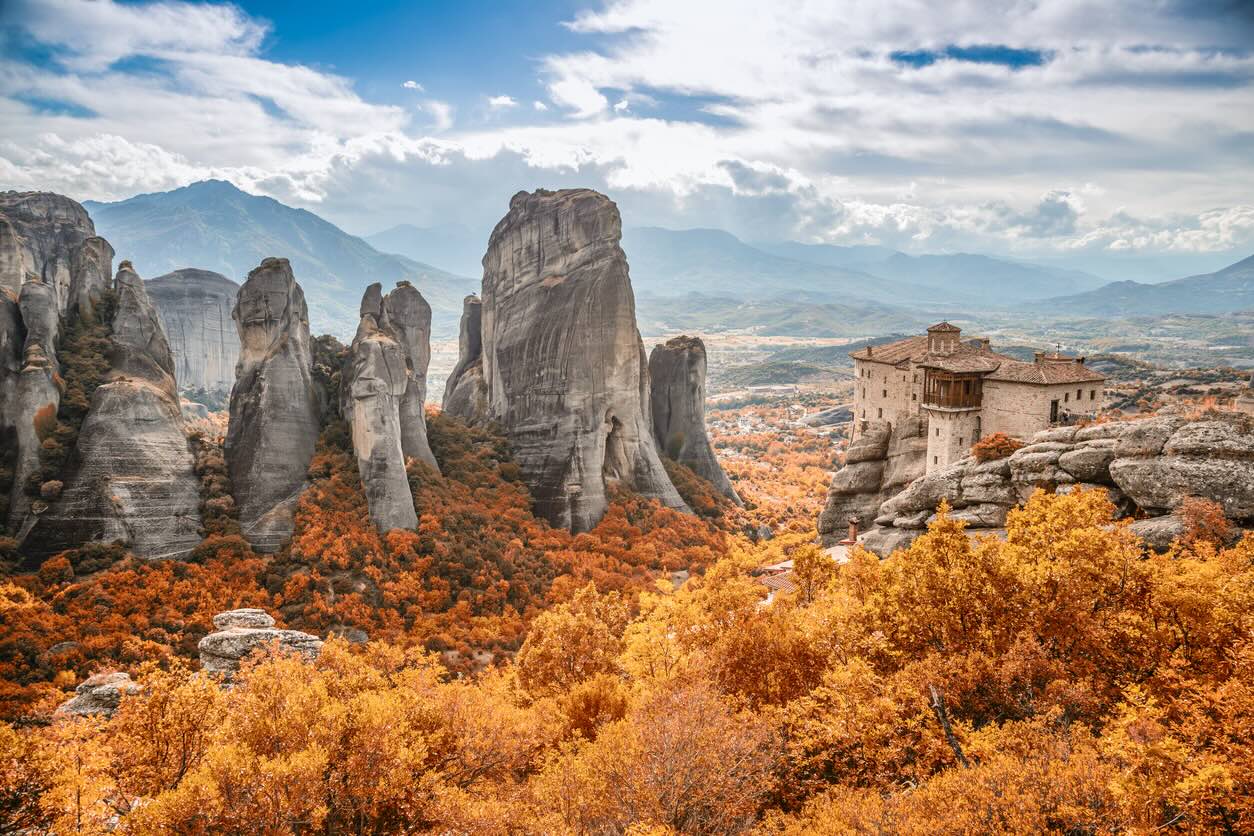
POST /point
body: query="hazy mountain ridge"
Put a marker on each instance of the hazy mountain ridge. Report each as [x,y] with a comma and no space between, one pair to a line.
[212,225]
[1225,291]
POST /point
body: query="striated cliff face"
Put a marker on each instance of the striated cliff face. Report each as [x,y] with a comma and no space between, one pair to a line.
[39,235]
[274,403]
[130,477]
[465,394]
[372,393]
[677,398]
[195,308]
[91,269]
[564,371]
[1147,466]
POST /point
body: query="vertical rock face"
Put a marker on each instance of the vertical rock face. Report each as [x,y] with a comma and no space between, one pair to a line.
[464,392]
[130,476]
[40,234]
[373,390]
[274,404]
[34,393]
[563,364]
[677,397]
[90,269]
[195,309]
[408,317]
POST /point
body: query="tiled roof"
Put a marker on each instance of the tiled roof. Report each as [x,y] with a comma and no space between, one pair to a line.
[782,581]
[908,349]
[944,326]
[964,360]
[1017,371]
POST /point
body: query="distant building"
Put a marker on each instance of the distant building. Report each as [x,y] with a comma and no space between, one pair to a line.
[966,390]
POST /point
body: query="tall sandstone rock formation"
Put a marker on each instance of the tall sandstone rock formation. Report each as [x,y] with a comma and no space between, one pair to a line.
[53,269]
[677,397]
[130,476]
[464,392]
[372,397]
[563,366]
[407,316]
[275,404]
[195,308]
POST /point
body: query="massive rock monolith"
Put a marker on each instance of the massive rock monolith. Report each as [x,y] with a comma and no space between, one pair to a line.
[564,371]
[464,392]
[372,391]
[39,235]
[274,404]
[677,398]
[407,316]
[195,308]
[91,271]
[130,476]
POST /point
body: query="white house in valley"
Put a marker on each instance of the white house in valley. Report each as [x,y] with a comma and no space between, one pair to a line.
[966,390]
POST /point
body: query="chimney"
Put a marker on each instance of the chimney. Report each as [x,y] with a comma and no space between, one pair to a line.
[1038,357]
[870,349]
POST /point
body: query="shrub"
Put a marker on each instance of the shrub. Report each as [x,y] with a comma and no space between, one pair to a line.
[1204,522]
[994,447]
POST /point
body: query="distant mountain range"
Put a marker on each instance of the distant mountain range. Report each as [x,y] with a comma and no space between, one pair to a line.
[212,225]
[1224,291]
[696,279]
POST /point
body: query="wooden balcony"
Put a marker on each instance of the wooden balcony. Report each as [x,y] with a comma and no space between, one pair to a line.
[951,390]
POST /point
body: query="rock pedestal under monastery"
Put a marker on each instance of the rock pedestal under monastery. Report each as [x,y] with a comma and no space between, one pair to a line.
[677,398]
[275,406]
[563,366]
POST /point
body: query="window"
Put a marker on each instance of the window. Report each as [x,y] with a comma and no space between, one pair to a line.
[1092,394]
[960,440]
[913,396]
[885,395]
[916,378]
[938,432]
[880,413]
[1079,393]
[935,459]
[1066,398]
[864,392]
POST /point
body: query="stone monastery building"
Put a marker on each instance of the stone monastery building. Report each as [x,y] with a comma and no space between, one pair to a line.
[966,390]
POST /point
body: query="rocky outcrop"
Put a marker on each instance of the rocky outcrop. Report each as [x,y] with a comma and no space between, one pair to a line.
[1148,467]
[195,309]
[241,632]
[373,388]
[563,365]
[40,233]
[130,476]
[407,316]
[465,394]
[878,463]
[99,695]
[677,399]
[275,406]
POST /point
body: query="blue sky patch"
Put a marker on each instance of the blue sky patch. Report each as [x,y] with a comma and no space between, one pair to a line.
[976,54]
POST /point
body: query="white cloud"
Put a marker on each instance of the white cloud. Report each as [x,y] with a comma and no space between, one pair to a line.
[731,113]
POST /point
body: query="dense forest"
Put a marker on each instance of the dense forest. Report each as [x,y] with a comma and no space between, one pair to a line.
[1059,680]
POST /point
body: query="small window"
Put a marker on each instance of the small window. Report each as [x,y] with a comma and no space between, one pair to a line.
[935,459]
[938,432]
[960,440]
[1092,394]
[885,395]
[880,413]
[916,377]
[1066,398]
[913,396]
[1079,393]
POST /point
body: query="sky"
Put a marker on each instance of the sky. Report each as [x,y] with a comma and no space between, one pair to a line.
[1093,132]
